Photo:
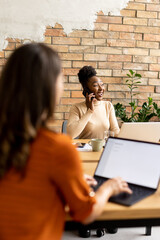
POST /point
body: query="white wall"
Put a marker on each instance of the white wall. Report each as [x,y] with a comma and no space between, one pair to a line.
[27,19]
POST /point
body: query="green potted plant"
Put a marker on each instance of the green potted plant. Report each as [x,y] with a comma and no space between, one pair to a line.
[148,110]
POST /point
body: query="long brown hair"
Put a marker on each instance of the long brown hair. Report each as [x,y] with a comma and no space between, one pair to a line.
[27,90]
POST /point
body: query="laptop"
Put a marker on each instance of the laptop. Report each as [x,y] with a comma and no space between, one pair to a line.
[143,131]
[137,162]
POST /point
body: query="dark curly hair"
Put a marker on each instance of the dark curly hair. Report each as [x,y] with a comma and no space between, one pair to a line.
[27,90]
[84,74]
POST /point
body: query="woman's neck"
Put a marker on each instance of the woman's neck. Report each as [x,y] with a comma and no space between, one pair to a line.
[96,103]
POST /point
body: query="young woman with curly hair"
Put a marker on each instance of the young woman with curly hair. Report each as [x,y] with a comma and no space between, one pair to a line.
[90,118]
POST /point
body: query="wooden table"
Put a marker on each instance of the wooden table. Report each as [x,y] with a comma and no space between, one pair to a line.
[88,156]
[144,213]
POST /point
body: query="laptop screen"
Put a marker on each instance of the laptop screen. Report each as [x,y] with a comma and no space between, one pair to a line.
[136,162]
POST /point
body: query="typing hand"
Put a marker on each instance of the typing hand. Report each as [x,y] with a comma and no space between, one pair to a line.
[90,180]
[118,185]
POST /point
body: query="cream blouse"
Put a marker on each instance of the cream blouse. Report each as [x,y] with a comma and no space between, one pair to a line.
[88,124]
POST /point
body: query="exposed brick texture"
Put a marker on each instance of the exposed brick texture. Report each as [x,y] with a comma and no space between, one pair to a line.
[117,44]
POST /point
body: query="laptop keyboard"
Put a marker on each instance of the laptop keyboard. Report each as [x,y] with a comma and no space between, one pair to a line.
[126,198]
[138,190]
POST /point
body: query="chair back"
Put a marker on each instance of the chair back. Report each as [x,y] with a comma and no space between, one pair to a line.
[64,127]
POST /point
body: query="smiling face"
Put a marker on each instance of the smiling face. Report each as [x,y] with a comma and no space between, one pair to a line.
[96,86]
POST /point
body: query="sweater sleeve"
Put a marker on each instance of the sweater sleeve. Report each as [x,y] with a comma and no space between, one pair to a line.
[67,175]
[113,120]
[76,124]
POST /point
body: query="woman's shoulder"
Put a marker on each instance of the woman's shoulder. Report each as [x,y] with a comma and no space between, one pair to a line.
[58,142]
[52,137]
[57,146]
[108,104]
[79,105]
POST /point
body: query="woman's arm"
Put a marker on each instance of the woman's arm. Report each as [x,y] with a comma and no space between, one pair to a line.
[108,189]
[67,176]
[76,124]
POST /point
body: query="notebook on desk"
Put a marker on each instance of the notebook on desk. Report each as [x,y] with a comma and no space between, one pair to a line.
[137,162]
[143,131]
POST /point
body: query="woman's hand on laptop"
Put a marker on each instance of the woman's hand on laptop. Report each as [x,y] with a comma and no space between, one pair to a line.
[118,185]
[90,180]
[109,188]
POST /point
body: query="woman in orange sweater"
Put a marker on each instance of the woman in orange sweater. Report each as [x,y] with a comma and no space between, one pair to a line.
[40,170]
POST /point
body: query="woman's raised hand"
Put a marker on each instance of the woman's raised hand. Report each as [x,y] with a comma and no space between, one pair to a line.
[90,99]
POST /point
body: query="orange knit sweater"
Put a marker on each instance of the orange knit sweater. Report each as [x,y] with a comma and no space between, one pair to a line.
[32,208]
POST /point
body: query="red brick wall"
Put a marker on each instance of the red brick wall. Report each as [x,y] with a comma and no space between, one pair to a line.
[117,44]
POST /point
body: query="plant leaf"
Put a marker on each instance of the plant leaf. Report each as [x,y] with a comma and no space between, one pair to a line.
[138,75]
[131,72]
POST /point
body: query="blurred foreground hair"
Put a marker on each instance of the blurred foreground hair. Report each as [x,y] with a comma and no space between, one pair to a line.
[27,91]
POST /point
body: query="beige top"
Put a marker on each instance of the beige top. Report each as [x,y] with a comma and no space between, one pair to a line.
[92,124]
